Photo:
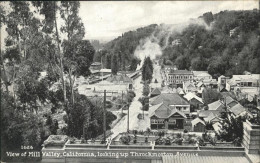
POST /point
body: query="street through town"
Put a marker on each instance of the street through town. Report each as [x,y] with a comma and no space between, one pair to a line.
[135,107]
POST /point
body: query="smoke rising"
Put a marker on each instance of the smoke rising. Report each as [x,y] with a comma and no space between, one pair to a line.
[153,45]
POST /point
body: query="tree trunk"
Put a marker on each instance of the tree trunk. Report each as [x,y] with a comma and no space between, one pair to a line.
[71,86]
[60,58]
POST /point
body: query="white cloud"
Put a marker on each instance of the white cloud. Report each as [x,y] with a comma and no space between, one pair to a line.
[111,19]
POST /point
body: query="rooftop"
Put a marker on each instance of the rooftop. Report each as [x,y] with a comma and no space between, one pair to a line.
[217,105]
[191,95]
[237,109]
[163,111]
[168,99]
[119,78]
[180,72]
[196,121]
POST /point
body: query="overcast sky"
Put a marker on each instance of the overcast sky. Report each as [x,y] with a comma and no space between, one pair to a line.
[107,20]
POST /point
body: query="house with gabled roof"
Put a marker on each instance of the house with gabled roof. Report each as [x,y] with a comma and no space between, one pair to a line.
[155,92]
[217,105]
[212,118]
[198,125]
[238,110]
[189,87]
[194,101]
[180,91]
[173,100]
[163,116]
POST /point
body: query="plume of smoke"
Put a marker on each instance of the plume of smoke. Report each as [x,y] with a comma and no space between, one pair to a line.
[152,45]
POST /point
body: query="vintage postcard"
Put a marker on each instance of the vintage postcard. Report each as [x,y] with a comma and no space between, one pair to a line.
[130,81]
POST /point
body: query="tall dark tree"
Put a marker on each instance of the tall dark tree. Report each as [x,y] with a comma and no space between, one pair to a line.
[147,69]
[114,64]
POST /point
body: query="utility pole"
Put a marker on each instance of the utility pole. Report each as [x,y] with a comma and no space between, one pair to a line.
[122,103]
[104,116]
[127,112]
[128,118]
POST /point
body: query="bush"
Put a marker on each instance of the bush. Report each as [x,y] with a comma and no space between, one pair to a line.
[72,140]
[168,141]
[146,140]
[237,142]
[192,141]
[125,139]
[178,135]
[159,141]
[201,142]
[185,131]
[178,141]
[161,134]
[212,140]
[135,139]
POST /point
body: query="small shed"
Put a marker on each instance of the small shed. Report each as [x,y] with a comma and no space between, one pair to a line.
[198,125]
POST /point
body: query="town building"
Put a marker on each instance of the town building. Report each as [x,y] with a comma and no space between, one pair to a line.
[189,87]
[177,77]
[201,75]
[95,66]
[195,101]
[198,125]
[176,42]
[169,68]
[222,80]
[173,100]
[163,116]
[114,85]
[245,83]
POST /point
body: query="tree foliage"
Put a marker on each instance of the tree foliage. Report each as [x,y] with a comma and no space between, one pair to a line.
[147,69]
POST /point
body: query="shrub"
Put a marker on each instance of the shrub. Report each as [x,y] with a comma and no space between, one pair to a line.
[72,140]
[146,140]
[161,134]
[135,139]
[201,142]
[212,140]
[125,139]
[168,141]
[178,135]
[192,141]
[237,142]
[185,131]
[178,141]
[159,141]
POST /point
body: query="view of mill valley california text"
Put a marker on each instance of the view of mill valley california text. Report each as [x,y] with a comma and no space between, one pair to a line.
[130,81]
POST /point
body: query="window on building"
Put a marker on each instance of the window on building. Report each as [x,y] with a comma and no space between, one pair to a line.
[178,108]
[160,121]
[172,121]
[154,121]
[250,84]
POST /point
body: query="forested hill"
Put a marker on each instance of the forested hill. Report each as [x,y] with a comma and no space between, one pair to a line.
[203,46]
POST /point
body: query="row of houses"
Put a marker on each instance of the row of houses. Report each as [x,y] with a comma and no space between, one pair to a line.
[174,110]
[244,86]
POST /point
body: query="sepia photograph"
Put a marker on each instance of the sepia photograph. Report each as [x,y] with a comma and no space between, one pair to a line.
[130,81]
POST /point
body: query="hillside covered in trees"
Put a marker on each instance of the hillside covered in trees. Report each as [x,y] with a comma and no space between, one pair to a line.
[203,46]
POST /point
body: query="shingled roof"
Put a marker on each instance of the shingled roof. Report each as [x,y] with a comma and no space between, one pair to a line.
[168,99]
[163,111]
[155,92]
[237,109]
[217,105]
[119,78]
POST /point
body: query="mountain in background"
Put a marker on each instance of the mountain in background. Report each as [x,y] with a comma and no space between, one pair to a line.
[225,43]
